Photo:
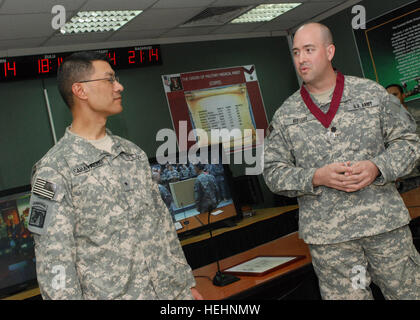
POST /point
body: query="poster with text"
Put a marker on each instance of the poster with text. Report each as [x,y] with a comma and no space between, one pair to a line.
[225,104]
[389,49]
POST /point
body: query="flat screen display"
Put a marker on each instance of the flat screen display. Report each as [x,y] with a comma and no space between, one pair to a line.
[17,256]
[197,196]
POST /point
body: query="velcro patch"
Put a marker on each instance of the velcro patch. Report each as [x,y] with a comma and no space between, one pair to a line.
[38,215]
[365,104]
[44,188]
[82,168]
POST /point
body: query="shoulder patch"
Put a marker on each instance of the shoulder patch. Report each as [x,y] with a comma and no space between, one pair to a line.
[44,188]
[40,213]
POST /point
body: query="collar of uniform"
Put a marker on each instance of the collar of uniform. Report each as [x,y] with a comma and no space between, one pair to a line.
[121,146]
[345,98]
[83,150]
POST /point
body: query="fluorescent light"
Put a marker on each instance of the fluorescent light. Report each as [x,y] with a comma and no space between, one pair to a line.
[98,21]
[265,12]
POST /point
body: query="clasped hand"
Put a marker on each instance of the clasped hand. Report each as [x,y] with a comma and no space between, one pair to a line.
[346,176]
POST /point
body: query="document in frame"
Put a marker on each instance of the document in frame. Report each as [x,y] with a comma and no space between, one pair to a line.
[218,106]
[223,108]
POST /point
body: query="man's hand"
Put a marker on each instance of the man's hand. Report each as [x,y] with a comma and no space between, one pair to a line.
[196,294]
[334,175]
[363,173]
[346,177]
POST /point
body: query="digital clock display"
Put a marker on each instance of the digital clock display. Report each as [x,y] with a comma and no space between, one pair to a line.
[46,65]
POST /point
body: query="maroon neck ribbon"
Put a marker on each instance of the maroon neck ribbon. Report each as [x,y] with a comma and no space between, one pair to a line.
[325,118]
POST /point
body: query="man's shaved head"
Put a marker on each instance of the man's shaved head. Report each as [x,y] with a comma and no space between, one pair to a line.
[324,30]
[313,51]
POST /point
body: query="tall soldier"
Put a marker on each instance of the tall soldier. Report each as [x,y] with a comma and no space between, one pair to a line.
[337,146]
[104,231]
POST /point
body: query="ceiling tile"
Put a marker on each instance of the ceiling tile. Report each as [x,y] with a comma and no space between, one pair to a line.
[37,6]
[161,18]
[307,11]
[228,3]
[60,39]
[25,26]
[117,5]
[21,43]
[279,25]
[136,35]
[238,27]
[195,31]
[165,4]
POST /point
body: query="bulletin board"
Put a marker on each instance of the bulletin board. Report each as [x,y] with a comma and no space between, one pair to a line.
[227,98]
[389,49]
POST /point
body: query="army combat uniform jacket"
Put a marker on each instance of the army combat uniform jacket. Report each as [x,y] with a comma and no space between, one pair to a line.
[365,128]
[206,194]
[101,228]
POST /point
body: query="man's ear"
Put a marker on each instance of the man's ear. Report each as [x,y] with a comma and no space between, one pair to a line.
[330,52]
[78,90]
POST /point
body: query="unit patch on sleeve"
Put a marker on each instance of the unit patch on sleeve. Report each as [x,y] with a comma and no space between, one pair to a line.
[38,214]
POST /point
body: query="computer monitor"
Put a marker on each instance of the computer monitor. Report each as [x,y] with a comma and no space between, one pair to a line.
[177,177]
[17,256]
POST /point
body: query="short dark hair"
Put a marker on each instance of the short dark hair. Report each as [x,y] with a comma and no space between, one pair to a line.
[76,67]
[199,166]
[400,88]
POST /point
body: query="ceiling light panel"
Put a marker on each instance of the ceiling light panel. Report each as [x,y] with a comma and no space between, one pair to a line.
[265,12]
[98,21]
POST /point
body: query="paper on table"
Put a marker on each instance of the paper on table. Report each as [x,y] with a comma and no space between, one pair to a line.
[217,212]
[260,264]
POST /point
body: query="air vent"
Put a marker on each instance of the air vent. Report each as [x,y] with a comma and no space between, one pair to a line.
[216,16]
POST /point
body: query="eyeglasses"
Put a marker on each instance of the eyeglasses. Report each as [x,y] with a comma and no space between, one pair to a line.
[111,79]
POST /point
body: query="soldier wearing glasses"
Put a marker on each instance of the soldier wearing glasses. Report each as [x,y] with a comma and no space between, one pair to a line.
[105,232]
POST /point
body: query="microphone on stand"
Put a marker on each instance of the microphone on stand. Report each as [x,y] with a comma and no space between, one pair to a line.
[220,279]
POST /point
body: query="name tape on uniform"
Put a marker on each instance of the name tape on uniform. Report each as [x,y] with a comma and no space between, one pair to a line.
[366,104]
[82,168]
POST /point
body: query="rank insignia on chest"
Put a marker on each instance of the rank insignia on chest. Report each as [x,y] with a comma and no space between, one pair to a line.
[332,133]
[44,188]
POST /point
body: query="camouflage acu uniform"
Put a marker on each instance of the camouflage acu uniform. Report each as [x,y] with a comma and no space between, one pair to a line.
[99,220]
[218,172]
[412,180]
[367,128]
[206,194]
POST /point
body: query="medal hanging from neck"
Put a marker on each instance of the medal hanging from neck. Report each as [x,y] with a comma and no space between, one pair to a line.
[325,118]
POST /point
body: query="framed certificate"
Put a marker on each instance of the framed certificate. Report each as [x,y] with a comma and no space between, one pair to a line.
[262,265]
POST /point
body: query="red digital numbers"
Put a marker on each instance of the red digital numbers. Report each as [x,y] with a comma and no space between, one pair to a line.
[43,66]
[111,57]
[141,56]
[131,57]
[154,53]
[9,67]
